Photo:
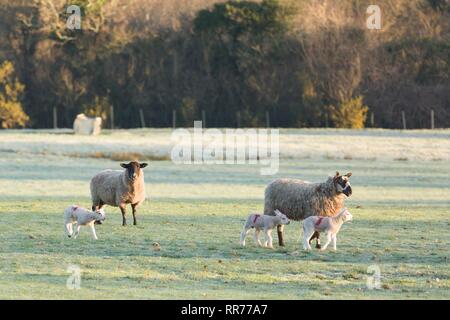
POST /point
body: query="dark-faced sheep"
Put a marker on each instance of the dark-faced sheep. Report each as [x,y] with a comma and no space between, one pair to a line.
[118,188]
[299,199]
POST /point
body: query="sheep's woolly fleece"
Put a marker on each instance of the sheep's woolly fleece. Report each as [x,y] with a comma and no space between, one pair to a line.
[298,199]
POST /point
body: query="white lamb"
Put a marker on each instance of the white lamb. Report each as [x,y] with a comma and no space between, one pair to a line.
[263,222]
[82,217]
[329,225]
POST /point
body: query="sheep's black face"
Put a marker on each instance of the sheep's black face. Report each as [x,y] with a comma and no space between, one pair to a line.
[342,184]
[133,169]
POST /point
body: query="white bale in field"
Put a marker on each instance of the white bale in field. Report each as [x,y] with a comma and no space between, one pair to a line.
[87,126]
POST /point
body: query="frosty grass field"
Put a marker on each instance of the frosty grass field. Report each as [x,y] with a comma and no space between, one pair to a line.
[400,205]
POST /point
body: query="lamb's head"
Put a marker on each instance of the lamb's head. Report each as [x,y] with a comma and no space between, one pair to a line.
[347,216]
[101,216]
[283,218]
[342,184]
[133,169]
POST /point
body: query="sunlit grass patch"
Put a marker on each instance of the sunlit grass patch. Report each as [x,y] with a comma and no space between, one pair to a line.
[195,214]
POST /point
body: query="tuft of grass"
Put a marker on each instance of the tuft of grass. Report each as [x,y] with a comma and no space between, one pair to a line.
[123,156]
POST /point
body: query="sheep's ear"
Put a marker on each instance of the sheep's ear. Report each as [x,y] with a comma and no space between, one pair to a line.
[336,176]
[124,165]
[143,165]
[348,174]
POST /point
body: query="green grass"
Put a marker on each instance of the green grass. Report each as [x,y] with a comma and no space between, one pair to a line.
[401,223]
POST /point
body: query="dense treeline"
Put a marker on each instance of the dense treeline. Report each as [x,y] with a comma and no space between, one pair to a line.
[306,62]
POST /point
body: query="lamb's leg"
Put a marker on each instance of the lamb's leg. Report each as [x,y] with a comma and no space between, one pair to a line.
[77,232]
[266,238]
[333,241]
[269,239]
[256,237]
[306,244]
[327,243]
[307,233]
[68,229]
[93,231]
[244,234]
[133,206]
[123,209]
[280,229]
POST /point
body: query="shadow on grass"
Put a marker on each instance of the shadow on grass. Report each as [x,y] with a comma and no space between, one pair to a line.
[412,204]
[217,237]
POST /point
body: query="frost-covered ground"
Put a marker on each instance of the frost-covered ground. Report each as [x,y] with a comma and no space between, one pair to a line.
[400,205]
[294,143]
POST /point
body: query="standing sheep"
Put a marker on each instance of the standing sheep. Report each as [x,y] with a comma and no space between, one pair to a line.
[299,199]
[118,188]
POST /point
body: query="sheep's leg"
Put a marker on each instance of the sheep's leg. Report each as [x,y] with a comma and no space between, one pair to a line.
[244,234]
[327,243]
[98,205]
[318,246]
[316,236]
[280,229]
[333,241]
[133,206]
[123,209]
[256,237]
